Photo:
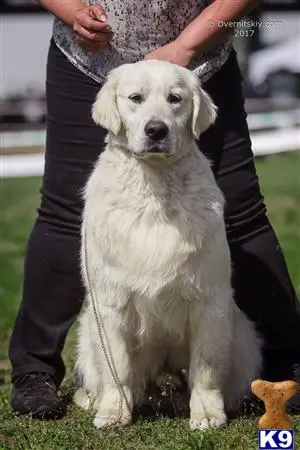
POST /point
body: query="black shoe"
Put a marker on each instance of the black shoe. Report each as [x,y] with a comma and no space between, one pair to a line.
[287,372]
[293,405]
[35,393]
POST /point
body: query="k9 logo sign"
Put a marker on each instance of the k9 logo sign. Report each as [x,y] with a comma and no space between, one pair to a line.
[274,439]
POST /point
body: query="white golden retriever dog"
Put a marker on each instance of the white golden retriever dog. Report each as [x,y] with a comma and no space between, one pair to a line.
[158,262]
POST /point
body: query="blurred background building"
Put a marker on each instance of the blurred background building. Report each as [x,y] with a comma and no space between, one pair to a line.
[268,46]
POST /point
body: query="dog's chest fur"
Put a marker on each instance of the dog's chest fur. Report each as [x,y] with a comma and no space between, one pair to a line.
[151,223]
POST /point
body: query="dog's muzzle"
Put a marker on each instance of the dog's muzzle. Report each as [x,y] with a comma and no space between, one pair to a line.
[156,130]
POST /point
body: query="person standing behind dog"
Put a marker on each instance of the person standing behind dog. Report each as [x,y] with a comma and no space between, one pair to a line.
[88,41]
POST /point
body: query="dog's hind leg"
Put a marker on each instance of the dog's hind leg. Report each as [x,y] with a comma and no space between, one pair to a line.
[86,367]
[114,406]
[246,362]
[83,399]
[105,370]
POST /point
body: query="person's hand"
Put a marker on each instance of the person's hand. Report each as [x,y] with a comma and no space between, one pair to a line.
[91,29]
[174,52]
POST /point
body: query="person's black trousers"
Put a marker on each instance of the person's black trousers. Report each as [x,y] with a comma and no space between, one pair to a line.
[52,291]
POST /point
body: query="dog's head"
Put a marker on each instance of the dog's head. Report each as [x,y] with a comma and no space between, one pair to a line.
[156,107]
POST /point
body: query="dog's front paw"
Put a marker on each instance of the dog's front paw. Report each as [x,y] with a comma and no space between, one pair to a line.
[102,421]
[207,409]
[205,423]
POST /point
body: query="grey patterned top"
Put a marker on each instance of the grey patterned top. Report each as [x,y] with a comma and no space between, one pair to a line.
[139,27]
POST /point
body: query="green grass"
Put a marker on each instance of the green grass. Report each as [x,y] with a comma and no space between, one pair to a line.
[280,183]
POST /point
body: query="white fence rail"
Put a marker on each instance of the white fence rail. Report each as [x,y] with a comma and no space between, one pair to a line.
[272,132]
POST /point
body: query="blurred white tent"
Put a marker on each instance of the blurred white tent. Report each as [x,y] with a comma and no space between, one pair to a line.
[23,52]
[283,55]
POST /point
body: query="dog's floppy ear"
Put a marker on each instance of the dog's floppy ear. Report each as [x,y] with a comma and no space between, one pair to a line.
[204,110]
[105,109]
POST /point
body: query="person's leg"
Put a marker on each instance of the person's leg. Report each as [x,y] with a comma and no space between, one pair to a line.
[52,290]
[263,289]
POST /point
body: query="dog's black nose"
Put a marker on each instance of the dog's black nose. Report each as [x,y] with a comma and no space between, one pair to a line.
[156,130]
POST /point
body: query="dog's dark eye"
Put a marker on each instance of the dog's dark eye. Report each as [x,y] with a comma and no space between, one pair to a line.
[174,98]
[136,98]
